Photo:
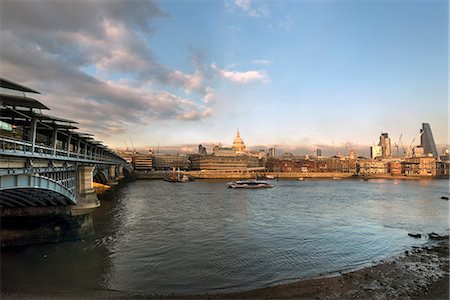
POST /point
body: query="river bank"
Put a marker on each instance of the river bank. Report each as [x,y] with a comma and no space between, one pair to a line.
[421,273]
[279,175]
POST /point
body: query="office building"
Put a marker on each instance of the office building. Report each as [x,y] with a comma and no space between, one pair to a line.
[318,152]
[271,152]
[375,152]
[427,141]
[385,144]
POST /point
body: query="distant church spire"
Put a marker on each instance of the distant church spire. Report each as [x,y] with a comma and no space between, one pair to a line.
[237,134]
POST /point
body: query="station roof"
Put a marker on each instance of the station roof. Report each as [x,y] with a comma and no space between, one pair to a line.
[11,113]
[60,126]
[22,102]
[84,135]
[15,86]
[43,117]
[21,121]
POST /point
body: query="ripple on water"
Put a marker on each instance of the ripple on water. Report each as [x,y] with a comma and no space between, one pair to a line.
[158,237]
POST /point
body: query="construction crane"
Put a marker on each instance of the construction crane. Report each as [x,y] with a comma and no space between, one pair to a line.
[398,144]
[132,145]
[350,151]
[410,148]
[335,149]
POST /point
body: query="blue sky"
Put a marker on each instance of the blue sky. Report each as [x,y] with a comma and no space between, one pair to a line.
[283,72]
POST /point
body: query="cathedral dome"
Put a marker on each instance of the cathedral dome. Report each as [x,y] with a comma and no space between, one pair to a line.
[238,144]
[238,140]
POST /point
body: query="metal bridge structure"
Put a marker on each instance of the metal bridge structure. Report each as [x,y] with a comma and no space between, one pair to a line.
[44,161]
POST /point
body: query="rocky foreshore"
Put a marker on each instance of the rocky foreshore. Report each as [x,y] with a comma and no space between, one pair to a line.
[421,273]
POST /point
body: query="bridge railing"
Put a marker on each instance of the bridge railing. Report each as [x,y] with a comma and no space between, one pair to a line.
[14,147]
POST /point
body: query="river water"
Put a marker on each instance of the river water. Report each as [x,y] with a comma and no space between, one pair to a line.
[160,237]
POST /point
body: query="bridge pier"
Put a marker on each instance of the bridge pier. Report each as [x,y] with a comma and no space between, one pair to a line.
[31,225]
[86,197]
[120,171]
[112,176]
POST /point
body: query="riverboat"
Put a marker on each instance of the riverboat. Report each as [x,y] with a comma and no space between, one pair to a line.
[249,184]
[171,178]
[177,177]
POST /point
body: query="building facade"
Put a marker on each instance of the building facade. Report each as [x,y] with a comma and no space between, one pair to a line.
[385,144]
[218,163]
[427,140]
[169,161]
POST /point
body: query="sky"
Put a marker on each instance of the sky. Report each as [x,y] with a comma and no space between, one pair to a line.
[286,73]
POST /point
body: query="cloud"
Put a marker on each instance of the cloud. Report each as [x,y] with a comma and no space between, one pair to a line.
[248,7]
[49,44]
[242,78]
[209,96]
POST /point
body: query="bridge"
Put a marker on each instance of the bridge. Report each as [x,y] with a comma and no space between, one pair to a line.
[47,167]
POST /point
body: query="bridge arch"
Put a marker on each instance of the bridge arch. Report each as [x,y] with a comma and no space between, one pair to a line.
[25,190]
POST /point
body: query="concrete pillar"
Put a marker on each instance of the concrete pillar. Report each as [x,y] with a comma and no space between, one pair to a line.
[120,171]
[86,195]
[85,179]
[112,175]
[112,172]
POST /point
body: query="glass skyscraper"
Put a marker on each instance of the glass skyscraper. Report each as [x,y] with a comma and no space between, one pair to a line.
[427,140]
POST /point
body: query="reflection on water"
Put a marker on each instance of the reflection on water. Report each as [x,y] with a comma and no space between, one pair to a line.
[159,237]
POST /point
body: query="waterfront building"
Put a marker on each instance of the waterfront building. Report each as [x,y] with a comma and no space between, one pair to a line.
[442,168]
[169,161]
[424,166]
[218,150]
[238,145]
[385,144]
[218,163]
[142,162]
[394,167]
[375,152]
[427,140]
[295,164]
[373,166]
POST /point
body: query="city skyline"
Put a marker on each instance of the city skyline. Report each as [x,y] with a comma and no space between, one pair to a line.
[295,73]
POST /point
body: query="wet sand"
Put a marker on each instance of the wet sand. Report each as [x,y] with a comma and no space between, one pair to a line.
[422,273]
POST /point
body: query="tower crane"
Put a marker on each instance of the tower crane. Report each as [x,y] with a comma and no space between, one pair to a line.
[410,151]
[398,144]
[335,149]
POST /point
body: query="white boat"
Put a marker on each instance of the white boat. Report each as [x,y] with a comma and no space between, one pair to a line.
[249,184]
[337,178]
[184,178]
[300,179]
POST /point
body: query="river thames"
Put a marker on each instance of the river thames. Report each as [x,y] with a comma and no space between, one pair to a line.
[199,237]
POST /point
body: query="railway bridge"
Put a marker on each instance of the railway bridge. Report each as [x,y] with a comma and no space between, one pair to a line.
[47,169]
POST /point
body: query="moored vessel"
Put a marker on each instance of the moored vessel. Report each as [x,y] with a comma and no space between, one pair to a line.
[249,184]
